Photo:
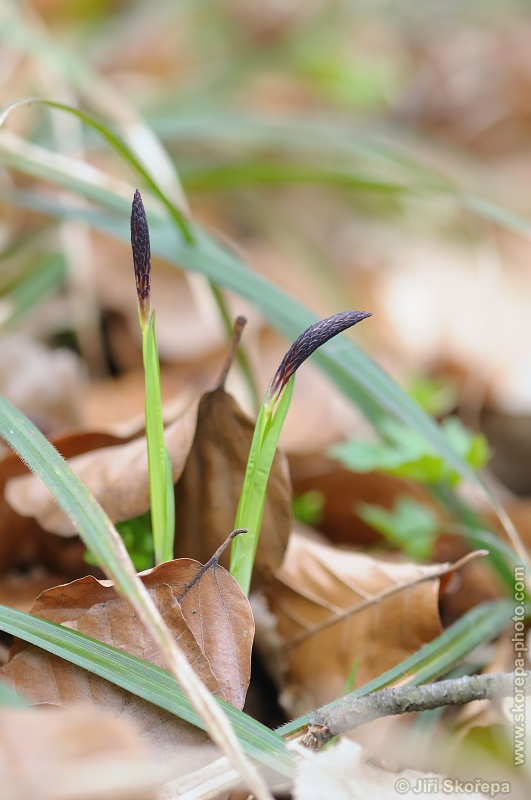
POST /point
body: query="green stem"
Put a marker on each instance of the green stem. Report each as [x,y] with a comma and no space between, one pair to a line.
[253,495]
[159,466]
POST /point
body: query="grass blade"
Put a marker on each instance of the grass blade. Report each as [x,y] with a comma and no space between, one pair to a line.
[252,498]
[230,176]
[160,482]
[159,468]
[142,679]
[33,288]
[102,539]
[118,146]
[353,372]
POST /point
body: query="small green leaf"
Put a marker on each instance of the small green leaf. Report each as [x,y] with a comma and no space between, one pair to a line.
[138,539]
[411,525]
[472,446]
[308,507]
[137,536]
[404,453]
[436,396]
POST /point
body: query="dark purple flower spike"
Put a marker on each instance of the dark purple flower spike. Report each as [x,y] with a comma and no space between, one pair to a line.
[141,257]
[307,343]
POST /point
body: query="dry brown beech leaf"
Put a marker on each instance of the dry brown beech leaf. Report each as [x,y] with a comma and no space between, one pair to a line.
[205,610]
[208,491]
[117,476]
[336,609]
[80,753]
[203,606]
[218,614]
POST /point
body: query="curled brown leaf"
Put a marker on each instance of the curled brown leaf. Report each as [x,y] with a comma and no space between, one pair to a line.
[338,611]
[117,476]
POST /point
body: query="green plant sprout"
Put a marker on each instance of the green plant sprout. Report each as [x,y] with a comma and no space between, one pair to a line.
[436,396]
[159,466]
[137,536]
[406,454]
[269,424]
[308,507]
[354,373]
[412,526]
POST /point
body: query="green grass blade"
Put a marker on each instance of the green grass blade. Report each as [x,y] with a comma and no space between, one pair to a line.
[102,539]
[480,625]
[502,558]
[74,176]
[375,151]
[73,71]
[313,138]
[470,526]
[253,494]
[39,282]
[93,524]
[353,372]
[142,679]
[162,521]
[230,176]
[118,146]
[169,549]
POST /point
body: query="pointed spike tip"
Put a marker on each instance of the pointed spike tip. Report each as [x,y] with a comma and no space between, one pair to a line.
[141,256]
[308,342]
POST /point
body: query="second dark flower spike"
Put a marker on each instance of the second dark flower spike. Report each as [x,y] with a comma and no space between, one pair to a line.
[141,258]
[307,343]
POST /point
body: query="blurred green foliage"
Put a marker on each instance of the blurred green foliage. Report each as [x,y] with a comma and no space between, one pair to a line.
[405,454]
[411,526]
[308,507]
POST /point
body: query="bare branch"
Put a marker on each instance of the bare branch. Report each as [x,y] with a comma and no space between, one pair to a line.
[350,712]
